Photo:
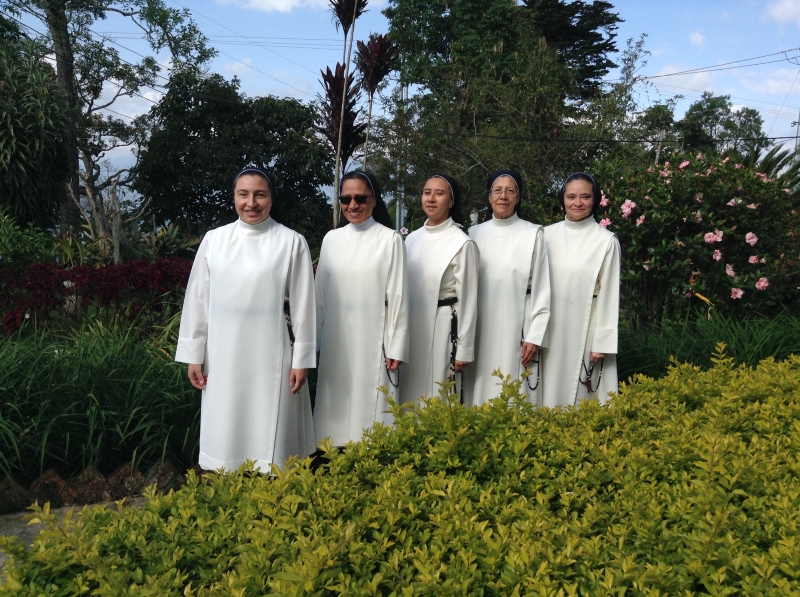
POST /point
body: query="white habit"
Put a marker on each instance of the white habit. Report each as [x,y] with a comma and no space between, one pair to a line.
[442,263]
[513,305]
[362,306]
[233,322]
[584,275]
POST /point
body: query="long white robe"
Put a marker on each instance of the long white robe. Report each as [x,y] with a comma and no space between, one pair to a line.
[513,259]
[233,322]
[362,306]
[584,276]
[442,263]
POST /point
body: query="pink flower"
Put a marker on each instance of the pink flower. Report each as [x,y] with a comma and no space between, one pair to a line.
[718,235]
[753,259]
[764,259]
[787,191]
[664,173]
[650,169]
[605,222]
[684,164]
[698,216]
[736,293]
[717,255]
[640,220]
[603,199]
[699,156]
[709,237]
[699,197]
[734,202]
[729,270]
[404,231]
[725,161]
[751,206]
[739,166]
[627,207]
[646,265]
[751,239]
[762,284]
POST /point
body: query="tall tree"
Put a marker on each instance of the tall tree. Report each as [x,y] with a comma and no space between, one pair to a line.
[93,77]
[204,131]
[341,96]
[375,60]
[32,130]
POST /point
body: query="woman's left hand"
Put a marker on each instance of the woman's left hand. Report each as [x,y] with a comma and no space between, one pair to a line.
[392,364]
[596,356]
[460,365]
[296,379]
[528,352]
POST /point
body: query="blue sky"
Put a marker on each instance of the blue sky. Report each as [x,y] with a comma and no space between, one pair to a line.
[278,46]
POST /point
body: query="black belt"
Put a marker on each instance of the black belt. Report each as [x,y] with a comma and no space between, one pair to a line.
[447,302]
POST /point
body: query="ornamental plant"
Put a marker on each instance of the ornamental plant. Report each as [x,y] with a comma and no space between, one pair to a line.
[703,231]
[687,485]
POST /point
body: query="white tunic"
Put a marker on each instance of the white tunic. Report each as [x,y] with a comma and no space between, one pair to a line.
[233,323]
[513,259]
[585,275]
[362,306]
[442,263]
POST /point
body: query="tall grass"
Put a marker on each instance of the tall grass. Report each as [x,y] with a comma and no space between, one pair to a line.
[693,339]
[98,393]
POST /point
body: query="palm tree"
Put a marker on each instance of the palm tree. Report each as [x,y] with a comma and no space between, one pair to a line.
[345,13]
[375,59]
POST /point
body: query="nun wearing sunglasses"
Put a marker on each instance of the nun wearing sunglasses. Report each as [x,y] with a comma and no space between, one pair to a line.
[362,314]
[579,361]
[242,351]
[443,286]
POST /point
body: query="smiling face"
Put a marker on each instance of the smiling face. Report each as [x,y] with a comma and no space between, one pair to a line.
[503,197]
[355,212]
[437,200]
[252,198]
[578,200]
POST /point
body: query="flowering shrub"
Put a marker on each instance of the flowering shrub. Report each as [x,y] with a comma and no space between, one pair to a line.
[715,231]
[44,289]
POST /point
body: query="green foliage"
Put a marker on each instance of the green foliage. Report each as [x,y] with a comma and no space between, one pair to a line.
[650,349]
[685,212]
[204,131]
[102,394]
[32,128]
[684,486]
[20,247]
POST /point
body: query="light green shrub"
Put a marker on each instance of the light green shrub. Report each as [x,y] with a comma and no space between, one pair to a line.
[683,486]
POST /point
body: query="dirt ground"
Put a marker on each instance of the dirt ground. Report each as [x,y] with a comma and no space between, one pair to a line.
[16,525]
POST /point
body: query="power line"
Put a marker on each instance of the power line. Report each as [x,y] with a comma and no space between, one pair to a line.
[715,67]
[784,100]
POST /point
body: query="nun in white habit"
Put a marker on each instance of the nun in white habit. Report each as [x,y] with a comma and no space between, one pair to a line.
[247,333]
[443,291]
[513,295]
[580,359]
[362,314]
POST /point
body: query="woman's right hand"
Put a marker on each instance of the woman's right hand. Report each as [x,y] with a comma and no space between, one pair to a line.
[196,376]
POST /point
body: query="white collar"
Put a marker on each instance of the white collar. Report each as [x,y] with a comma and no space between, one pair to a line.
[363,226]
[439,227]
[513,219]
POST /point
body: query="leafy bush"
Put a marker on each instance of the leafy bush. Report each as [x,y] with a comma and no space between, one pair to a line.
[102,394]
[686,485]
[21,247]
[650,349]
[46,289]
[716,230]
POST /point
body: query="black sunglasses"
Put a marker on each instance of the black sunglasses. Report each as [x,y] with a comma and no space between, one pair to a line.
[360,199]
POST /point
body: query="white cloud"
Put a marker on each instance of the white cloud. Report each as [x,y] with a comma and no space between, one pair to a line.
[697,38]
[237,68]
[277,5]
[785,11]
[779,82]
[689,82]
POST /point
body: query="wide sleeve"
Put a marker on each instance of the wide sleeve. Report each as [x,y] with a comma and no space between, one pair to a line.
[302,306]
[319,291]
[465,272]
[538,316]
[193,333]
[607,306]
[397,302]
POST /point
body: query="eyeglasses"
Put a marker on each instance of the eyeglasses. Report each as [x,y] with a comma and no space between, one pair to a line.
[500,192]
[360,199]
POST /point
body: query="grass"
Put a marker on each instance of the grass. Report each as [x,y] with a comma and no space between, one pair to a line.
[692,340]
[99,393]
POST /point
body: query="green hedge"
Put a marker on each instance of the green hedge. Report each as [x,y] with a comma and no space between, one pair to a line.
[687,485]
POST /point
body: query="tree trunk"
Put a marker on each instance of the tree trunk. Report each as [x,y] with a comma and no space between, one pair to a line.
[366,141]
[58,24]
